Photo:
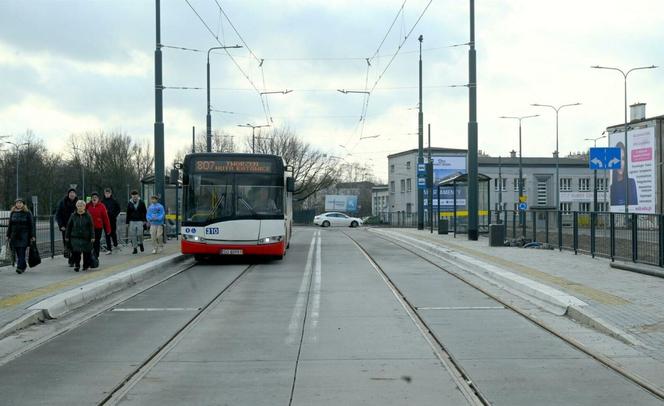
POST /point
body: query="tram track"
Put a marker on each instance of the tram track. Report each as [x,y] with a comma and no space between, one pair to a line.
[605,361]
[122,388]
[462,380]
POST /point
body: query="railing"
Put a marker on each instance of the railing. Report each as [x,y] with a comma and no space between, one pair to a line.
[618,236]
[49,236]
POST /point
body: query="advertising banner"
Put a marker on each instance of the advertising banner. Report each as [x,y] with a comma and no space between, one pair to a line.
[444,166]
[343,203]
[638,189]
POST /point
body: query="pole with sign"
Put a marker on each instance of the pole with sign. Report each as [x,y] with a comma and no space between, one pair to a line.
[603,159]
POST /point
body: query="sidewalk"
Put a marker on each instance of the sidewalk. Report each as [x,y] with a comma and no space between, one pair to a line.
[630,305]
[54,276]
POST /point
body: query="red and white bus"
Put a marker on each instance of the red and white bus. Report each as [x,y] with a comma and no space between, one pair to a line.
[236,204]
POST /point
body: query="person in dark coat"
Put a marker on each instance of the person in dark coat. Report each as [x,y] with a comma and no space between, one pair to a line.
[20,232]
[113,210]
[66,208]
[136,212]
[99,215]
[80,234]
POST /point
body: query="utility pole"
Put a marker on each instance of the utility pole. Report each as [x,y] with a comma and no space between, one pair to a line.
[430,179]
[473,187]
[253,134]
[420,146]
[158,111]
[500,186]
[193,139]
[208,117]
[626,161]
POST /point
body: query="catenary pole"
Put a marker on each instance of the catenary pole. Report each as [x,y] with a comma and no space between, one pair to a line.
[473,187]
[420,146]
[159,111]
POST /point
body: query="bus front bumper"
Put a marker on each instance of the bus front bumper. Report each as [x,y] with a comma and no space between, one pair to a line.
[189,247]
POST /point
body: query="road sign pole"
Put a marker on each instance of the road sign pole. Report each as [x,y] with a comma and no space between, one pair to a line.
[595,191]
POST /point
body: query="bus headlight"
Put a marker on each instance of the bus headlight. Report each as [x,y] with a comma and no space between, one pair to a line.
[271,240]
[193,238]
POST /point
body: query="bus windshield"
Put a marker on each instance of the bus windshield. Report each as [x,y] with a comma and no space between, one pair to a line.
[221,196]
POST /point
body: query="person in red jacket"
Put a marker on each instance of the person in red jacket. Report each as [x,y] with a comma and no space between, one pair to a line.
[100,220]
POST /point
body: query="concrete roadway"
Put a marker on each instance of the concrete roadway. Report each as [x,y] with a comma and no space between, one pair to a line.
[320,327]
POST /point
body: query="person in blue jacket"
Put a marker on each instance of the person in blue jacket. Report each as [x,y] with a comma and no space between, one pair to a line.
[618,187]
[156,216]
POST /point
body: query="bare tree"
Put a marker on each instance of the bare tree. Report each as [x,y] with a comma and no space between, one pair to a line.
[312,169]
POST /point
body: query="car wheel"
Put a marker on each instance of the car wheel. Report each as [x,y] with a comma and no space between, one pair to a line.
[326,223]
[354,224]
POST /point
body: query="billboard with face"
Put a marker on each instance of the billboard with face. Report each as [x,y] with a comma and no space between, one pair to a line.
[638,188]
[444,166]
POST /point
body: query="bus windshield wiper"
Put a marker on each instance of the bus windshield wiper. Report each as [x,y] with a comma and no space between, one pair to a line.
[247,205]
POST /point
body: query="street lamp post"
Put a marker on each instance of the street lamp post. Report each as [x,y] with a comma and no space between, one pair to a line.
[17,146]
[521,212]
[594,140]
[208,118]
[253,134]
[420,147]
[557,109]
[625,172]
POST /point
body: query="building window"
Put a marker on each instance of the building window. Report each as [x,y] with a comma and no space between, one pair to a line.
[601,206]
[601,185]
[565,207]
[515,182]
[584,185]
[584,206]
[565,184]
[409,208]
[407,164]
[542,195]
[392,186]
[408,185]
[496,187]
[392,168]
[403,185]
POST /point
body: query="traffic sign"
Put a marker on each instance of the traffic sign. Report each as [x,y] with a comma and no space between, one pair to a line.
[523,206]
[421,170]
[421,183]
[605,158]
[523,199]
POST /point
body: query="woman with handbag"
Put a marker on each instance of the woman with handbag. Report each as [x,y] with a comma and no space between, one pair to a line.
[20,232]
[80,234]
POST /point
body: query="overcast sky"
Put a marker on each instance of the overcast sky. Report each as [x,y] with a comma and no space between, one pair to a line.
[70,66]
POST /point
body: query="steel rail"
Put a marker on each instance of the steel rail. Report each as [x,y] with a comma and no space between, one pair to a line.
[606,361]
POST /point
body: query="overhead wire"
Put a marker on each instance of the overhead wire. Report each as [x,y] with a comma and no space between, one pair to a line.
[251,82]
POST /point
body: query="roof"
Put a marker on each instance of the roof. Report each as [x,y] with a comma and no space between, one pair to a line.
[532,161]
[433,150]
[643,120]
[461,178]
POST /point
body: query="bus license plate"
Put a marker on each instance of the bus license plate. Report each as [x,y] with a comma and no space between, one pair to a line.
[231,252]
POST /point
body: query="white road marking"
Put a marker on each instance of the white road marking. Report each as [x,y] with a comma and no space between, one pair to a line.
[156,309]
[315,310]
[293,326]
[462,308]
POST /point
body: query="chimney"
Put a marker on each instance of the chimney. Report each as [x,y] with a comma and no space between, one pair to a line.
[637,112]
[512,154]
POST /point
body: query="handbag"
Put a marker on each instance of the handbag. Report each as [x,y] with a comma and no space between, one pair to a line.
[6,254]
[33,255]
[94,261]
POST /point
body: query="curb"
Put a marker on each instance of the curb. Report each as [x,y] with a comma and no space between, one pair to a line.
[63,303]
[25,320]
[563,304]
[642,269]
[550,299]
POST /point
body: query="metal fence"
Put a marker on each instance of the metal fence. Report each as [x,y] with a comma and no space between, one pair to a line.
[49,237]
[627,237]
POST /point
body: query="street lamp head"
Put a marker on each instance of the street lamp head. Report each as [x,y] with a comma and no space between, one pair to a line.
[420,38]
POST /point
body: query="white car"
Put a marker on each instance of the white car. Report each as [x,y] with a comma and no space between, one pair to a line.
[335,219]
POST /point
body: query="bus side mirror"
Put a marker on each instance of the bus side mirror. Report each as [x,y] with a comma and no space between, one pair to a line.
[290,184]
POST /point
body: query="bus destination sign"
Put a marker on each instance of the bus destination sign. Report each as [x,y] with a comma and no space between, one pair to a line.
[242,166]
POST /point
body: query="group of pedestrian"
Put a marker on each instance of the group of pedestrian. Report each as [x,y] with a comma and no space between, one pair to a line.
[82,225]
